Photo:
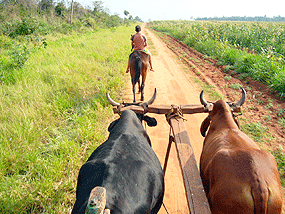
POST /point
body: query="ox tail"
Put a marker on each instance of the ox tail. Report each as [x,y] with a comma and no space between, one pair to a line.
[260,193]
[138,63]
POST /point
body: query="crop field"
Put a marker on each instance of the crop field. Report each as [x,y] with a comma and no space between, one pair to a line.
[255,49]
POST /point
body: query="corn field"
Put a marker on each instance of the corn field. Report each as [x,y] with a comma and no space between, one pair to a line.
[252,49]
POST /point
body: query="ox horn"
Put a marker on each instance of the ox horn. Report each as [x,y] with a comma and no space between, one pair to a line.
[202,100]
[113,103]
[151,99]
[241,101]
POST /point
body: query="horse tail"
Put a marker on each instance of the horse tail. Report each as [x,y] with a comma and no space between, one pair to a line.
[138,63]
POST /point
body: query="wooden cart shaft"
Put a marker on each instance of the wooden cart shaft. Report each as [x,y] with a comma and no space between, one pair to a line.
[196,197]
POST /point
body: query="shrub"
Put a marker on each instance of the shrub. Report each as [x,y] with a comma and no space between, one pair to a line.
[25,26]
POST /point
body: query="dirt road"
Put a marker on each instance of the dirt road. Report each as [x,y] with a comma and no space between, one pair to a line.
[173,87]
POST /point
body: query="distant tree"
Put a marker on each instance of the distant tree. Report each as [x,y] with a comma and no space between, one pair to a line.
[46,5]
[16,9]
[78,10]
[98,6]
[126,13]
[60,9]
[138,19]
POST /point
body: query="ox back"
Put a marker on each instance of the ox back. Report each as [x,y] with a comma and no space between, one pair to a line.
[127,167]
[238,176]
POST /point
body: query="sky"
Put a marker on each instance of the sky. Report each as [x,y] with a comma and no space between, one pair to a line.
[150,10]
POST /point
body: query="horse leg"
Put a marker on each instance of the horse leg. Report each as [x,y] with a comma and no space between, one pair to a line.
[143,76]
[140,88]
[142,92]
[134,89]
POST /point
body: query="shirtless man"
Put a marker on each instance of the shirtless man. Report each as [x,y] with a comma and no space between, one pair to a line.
[139,43]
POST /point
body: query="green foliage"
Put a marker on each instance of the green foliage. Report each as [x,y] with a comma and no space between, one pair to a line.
[60,9]
[280,159]
[236,86]
[54,116]
[229,56]
[26,26]
[227,77]
[281,121]
[252,49]
[257,131]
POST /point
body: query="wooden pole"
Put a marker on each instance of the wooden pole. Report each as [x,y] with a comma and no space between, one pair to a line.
[196,197]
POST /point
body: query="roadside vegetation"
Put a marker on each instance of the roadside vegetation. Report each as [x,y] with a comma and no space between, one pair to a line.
[252,49]
[54,115]
[53,79]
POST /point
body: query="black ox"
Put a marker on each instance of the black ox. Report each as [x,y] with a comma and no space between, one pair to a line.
[126,166]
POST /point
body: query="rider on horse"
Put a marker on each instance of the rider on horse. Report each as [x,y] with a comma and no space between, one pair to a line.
[139,43]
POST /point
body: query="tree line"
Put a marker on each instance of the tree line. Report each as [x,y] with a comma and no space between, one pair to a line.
[24,17]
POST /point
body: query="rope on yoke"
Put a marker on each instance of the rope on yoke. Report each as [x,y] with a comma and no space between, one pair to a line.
[175,111]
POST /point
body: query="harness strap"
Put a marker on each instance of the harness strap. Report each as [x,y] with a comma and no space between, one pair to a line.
[165,207]
[175,111]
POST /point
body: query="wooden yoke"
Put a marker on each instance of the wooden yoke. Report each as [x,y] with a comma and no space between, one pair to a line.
[161,109]
[165,109]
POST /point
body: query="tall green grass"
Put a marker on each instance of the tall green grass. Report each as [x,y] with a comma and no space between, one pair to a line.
[54,114]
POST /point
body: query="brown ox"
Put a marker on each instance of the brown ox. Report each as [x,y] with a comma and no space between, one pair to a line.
[237,175]
[139,65]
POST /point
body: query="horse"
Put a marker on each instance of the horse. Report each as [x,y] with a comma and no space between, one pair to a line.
[139,65]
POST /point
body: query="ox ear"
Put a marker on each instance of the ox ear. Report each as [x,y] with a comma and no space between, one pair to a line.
[205,125]
[111,126]
[150,121]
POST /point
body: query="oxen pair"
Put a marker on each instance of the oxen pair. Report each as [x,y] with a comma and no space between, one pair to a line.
[238,176]
[126,166]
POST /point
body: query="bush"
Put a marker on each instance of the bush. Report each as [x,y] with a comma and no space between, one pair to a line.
[25,26]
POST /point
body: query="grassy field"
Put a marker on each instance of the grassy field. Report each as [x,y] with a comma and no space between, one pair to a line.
[54,114]
[255,49]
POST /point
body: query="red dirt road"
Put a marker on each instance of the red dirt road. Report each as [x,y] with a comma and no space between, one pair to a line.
[173,87]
